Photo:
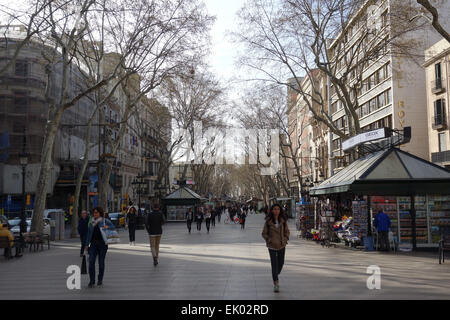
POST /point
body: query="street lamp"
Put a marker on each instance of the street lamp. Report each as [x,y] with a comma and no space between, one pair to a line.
[23,160]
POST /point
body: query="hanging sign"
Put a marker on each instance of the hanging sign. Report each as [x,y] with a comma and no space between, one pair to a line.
[364,137]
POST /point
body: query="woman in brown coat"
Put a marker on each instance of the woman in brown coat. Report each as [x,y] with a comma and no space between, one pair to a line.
[276,233]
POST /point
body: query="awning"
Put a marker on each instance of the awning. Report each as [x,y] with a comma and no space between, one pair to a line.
[389,172]
[184,193]
[281,199]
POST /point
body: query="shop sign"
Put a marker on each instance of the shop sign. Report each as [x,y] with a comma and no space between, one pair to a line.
[364,137]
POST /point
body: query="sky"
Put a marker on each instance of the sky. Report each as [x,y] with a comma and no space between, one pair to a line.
[223,50]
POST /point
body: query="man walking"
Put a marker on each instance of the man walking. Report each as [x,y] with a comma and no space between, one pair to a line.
[154,223]
[382,223]
[189,219]
[83,230]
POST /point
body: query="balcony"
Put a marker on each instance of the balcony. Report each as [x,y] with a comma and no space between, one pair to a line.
[437,86]
[440,157]
[439,122]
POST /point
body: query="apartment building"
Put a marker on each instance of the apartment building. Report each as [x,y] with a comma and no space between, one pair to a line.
[23,117]
[437,67]
[392,92]
[308,136]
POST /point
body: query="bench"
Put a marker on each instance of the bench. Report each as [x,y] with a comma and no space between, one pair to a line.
[5,243]
[444,245]
[35,240]
[40,239]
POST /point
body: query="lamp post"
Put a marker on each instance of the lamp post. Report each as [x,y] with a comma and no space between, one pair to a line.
[23,159]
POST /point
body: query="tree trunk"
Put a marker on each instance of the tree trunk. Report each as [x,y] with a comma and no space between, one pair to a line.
[37,222]
[80,180]
[104,180]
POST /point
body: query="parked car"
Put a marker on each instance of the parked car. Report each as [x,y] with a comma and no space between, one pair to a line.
[15,226]
[4,220]
[46,212]
[117,219]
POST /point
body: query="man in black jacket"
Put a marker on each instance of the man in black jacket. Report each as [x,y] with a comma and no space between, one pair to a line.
[154,223]
[83,230]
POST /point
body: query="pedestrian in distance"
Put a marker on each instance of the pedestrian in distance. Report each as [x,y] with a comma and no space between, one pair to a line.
[219,213]
[383,223]
[154,223]
[83,227]
[97,242]
[189,219]
[213,217]
[208,219]
[242,221]
[199,218]
[276,234]
[130,224]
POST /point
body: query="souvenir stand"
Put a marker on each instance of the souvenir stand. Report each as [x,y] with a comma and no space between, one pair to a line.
[413,192]
[176,204]
[304,219]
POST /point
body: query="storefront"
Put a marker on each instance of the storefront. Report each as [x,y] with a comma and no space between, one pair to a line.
[179,202]
[415,193]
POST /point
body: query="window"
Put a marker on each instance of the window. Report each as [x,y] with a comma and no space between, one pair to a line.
[387,70]
[20,101]
[384,19]
[437,76]
[21,69]
[442,142]
[388,96]
[372,105]
[381,99]
[365,109]
[380,75]
[439,112]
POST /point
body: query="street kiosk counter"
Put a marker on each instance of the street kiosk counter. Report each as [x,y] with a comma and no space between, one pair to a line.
[415,193]
[179,202]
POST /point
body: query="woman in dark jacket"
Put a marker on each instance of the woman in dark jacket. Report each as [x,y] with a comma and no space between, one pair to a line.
[130,223]
[97,242]
[276,234]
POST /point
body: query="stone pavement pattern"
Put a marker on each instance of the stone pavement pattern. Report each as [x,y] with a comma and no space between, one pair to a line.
[227,264]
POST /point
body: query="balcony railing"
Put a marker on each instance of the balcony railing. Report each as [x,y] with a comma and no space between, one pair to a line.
[437,86]
[439,122]
[438,157]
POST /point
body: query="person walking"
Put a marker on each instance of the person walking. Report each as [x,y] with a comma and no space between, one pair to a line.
[276,234]
[130,224]
[83,223]
[213,217]
[154,223]
[383,223]
[208,219]
[97,242]
[199,218]
[243,217]
[219,213]
[189,219]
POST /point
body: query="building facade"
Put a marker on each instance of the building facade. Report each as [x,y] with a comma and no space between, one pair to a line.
[392,92]
[437,67]
[23,117]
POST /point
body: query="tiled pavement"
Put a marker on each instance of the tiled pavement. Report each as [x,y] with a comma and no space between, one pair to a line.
[229,263]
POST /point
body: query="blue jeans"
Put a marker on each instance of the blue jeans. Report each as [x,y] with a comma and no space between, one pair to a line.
[94,250]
